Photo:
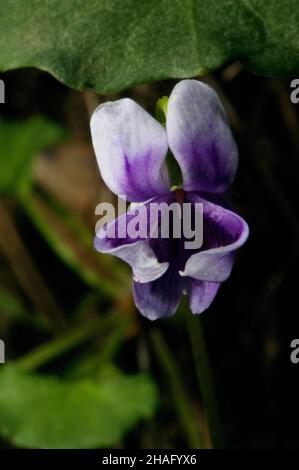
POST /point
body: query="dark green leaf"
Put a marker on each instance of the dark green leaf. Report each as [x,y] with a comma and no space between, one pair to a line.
[110,45]
[279,55]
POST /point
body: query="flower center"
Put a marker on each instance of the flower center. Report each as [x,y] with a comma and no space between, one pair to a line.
[179,194]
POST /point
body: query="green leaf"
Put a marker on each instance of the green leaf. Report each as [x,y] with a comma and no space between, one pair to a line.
[19,144]
[111,45]
[39,411]
[279,55]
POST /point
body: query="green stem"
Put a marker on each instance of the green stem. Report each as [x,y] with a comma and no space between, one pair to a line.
[55,348]
[71,241]
[182,402]
[205,379]
[174,171]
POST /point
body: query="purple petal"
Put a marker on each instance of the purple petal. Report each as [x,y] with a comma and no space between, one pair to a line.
[130,147]
[224,232]
[201,294]
[200,138]
[159,298]
[135,251]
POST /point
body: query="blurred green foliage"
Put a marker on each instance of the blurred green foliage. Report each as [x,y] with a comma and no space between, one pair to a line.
[47,412]
[20,143]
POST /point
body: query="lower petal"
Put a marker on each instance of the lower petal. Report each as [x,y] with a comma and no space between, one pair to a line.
[113,239]
[224,232]
[159,298]
[201,294]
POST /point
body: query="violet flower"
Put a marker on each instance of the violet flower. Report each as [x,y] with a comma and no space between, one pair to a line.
[131,148]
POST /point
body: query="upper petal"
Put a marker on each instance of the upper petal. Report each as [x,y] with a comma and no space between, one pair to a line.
[224,232]
[130,147]
[200,138]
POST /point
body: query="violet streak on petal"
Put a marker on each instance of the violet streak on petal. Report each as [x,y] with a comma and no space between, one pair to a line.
[130,147]
[200,138]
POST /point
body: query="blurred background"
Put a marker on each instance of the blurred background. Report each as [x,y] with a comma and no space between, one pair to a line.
[83,368]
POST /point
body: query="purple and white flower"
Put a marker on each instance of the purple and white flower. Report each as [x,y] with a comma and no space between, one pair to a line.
[131,148]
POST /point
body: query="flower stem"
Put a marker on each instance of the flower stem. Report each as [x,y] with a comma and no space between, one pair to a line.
[205,379]
[182,403]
